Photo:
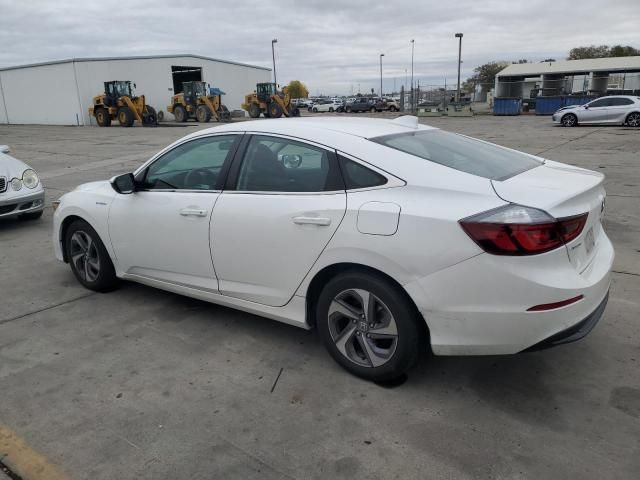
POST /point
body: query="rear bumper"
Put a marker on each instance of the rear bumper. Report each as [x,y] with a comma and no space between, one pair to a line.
[574,333]
[479,306]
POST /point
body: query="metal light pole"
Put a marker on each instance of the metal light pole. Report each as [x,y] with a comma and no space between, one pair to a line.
[412,102]
[381,55]
[273,54]
[459,37]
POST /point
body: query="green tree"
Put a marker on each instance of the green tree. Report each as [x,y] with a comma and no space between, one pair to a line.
[485,75]
[602,51]
[297,89]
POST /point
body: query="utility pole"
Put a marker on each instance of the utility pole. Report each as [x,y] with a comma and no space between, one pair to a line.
[412,102]
[381,55]
[273,54]
[459,37]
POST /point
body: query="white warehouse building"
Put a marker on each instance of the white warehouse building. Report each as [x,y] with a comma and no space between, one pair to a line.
[60,92]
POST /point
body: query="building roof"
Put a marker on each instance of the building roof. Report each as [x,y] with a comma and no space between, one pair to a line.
[139,57]
[610,64]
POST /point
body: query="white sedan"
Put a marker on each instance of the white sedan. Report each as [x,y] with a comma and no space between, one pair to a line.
[21,193]
[387,236]
[324,106]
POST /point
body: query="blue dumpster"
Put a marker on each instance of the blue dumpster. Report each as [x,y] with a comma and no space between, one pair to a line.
[576,100]
[548,105]
[507,106]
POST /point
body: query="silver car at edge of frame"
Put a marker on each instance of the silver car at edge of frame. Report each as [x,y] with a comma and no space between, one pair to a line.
[21,192]
[617,109]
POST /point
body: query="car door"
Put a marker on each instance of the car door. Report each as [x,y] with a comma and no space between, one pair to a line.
[161,231]
[595,113]
[283,202]
[618,108]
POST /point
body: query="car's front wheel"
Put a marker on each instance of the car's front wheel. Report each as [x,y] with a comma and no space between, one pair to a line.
[569,120]
[369,326]
[89,259]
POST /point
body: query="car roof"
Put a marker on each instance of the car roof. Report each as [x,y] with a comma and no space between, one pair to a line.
[632,97]
[313,128]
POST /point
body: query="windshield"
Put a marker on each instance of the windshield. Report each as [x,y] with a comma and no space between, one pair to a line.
[199,88]
[461,153]
[122,88]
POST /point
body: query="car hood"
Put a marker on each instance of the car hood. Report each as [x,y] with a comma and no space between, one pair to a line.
[98,186]
[11,167]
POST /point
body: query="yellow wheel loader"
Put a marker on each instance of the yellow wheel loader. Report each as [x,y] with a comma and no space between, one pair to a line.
[270,102]
[194,102]
[119,102]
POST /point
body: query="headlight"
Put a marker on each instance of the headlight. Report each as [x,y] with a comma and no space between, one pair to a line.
[30,179]
[16,184]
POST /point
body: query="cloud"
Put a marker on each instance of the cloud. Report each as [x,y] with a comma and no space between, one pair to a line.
[331,45]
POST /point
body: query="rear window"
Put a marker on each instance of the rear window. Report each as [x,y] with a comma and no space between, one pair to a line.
[461,153]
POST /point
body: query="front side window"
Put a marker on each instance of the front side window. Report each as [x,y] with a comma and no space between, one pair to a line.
[602,102]
[194,165]
[461,153]
[274,164]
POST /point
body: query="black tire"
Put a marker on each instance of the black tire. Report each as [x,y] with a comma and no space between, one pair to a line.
[294,112]
[633,119]
[180,113]
[402,351]
[150,117]
[275,110]
[105,275]
[125,117]
[254,110]
[103,117]
[393,109]
[569,120]
[31,215]
[331,109]
[203,114]
[314,110]
[348,109]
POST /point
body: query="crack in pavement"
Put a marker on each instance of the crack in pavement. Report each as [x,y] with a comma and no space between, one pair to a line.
[569,141]
[11,319]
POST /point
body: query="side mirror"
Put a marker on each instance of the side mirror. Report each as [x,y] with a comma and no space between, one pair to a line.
[586,107]
[124,184]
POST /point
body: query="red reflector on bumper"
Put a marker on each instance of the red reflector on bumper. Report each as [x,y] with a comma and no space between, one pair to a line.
[551,306]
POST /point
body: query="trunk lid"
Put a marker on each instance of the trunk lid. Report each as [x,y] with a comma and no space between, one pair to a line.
[562,191]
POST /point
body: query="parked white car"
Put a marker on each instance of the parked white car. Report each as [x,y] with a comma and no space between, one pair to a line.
[324,106]
[21,192]
[389,237]
[618,109]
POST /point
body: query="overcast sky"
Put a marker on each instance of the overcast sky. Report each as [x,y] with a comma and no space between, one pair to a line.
[331,45]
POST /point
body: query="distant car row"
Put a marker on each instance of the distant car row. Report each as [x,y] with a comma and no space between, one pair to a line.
[350,105]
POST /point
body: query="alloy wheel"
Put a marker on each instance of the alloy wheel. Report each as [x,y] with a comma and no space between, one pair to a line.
[633,120]
[569,120]
[84,256]
[362,328]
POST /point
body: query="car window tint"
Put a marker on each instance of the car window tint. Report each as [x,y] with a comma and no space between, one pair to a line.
[359,176]
[274,164]
[194,165]
[461,153]
[615,102]
[602,102]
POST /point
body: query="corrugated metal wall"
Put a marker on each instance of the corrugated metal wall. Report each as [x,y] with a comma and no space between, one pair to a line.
[54,94]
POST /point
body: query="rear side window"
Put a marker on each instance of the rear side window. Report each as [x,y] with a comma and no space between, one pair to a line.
[461,153]
[615,102]
[359,176]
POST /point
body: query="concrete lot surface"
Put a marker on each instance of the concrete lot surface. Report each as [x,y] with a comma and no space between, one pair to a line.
[142,384]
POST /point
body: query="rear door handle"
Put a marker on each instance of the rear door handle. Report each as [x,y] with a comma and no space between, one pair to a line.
[193,212]
[320,221]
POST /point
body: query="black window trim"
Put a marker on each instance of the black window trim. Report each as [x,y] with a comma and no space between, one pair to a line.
[231,183]
[141,172]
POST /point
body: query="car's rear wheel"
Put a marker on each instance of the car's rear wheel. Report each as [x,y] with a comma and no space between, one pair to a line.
[569,120]
[633,119]
[348,109]
[369,326]
[315,110]
[88,257]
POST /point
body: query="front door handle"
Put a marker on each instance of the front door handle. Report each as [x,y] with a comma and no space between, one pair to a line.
[320,221]
[193,212]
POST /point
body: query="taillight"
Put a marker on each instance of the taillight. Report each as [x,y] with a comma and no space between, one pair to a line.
[518,230]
